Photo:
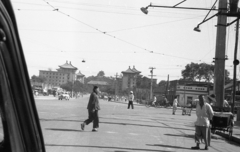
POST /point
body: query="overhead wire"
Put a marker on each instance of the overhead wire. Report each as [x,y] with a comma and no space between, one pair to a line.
[105,33]
[102,11]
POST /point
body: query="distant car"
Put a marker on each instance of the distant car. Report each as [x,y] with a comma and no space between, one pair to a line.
[64,96]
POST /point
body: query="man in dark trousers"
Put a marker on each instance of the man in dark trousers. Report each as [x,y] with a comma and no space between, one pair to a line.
[130,100]
[93,107]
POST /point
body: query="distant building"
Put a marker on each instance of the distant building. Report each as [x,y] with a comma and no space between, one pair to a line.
[187,91]
[129,78]
[101,84]
[80,77]
[65,73]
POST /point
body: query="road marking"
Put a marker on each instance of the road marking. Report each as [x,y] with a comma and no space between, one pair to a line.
[111,132]
[134,134]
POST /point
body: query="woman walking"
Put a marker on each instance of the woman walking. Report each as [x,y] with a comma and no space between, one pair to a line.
[93,107]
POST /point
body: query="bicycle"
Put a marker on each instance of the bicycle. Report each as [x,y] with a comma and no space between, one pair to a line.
[150,104]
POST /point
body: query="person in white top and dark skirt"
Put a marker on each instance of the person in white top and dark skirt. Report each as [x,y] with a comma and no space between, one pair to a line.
[204,114]
[130,100]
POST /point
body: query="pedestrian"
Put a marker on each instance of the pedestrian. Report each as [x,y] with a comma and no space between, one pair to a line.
[130,100]
[93,107]
[204,112]
[166,102]
[225,103]
[154,100]
[175,102]
[210,99]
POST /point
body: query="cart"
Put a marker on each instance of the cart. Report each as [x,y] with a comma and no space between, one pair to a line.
[186,110]
[223,121]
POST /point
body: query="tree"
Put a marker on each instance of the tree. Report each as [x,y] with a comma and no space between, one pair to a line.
[67,86]
[79,87]
[101,74]
[201,71]
[39,79]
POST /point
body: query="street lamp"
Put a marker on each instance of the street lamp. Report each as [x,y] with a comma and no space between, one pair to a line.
[144,10]
[197,29]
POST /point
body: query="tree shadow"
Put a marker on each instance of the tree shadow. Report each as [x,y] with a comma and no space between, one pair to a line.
[141,125]
[185,136]
[59,129]
[168,146]
[106,147]
[191,136]
[124,124]
[118,151]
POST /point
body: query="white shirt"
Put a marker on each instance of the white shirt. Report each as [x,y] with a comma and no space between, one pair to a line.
[131,97]
[175,102]
[225,103]
[203,115]
[155,99]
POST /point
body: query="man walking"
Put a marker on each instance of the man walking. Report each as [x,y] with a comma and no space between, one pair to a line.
[130,100]
[93,107]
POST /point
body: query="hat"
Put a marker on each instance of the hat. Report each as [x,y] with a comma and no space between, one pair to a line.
[212,97]
[131,91]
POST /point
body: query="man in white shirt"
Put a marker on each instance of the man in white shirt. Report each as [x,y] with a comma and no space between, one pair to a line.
[204,114]
[225,103]
[130,100]
[154,100]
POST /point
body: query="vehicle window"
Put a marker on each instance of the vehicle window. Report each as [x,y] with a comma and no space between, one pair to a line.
[1,128]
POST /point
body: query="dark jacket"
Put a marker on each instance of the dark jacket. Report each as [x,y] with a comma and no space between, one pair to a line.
[93,103]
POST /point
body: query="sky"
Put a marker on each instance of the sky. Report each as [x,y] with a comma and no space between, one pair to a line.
[111,35]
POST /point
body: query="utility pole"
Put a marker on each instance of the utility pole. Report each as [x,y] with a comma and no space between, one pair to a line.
[219,70]
[152,68]
[167,85]
[116,87]
[235,63]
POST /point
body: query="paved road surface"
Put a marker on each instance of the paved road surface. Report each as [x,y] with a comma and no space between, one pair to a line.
[121,129]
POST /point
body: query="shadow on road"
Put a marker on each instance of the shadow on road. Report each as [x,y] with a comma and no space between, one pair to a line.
[106,147]
[145,125]
[168,146]
[58,129]
[185,136]
[115,123]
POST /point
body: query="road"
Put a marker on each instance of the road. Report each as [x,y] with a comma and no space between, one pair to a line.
[121,129]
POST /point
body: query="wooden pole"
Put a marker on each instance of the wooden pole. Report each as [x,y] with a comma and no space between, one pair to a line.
[219,69]
[235,65]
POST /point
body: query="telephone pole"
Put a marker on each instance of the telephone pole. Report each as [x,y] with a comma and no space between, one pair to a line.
[166,91]
[235,63]
[219,70]
[152,68]
[116,86]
